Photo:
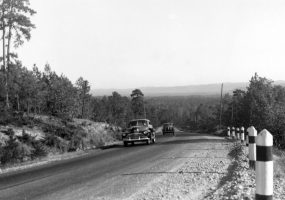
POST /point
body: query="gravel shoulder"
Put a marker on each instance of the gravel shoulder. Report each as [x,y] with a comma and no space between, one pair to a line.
[204,167]
[215,174]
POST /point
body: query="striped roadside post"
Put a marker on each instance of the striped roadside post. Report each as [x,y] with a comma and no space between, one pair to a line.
[242,134]
[246,136]
[233,133]
[264,166]
[252,146]
[229,132]
[238,134]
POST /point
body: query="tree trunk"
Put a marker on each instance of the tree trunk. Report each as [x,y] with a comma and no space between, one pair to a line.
[28,107]
[18,102]
[5,64]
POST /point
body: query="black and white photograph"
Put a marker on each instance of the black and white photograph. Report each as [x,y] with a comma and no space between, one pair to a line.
[142,99]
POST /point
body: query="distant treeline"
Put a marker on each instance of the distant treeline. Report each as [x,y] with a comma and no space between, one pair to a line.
[262,104]
[33,91]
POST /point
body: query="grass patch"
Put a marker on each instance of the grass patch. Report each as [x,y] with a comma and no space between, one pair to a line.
[279,163]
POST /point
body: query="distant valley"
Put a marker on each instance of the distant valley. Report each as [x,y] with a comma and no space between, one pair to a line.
[206,89]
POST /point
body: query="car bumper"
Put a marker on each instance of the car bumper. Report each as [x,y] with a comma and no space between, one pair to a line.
[168,131]
[135,139]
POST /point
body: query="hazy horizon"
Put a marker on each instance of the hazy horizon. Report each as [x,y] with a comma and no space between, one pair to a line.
[162,43]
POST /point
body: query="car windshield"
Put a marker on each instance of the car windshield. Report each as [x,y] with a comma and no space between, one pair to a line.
[138,123]
[167,125]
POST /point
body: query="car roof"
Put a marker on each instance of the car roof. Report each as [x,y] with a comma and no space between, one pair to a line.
[139,119]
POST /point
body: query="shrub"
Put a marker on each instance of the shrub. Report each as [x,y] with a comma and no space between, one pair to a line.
[54,141]
[5,117]
[26,138]
[11,152]
[24,152]
[40,150]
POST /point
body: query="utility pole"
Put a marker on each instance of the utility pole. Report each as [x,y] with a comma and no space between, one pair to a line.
[221,106]
[232,113]
[144,109]
[83,98]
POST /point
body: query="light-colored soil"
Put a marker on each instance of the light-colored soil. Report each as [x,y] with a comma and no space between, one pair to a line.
[215,178]
[201,174]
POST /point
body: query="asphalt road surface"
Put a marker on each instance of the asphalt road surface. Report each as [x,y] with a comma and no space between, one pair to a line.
[115,173]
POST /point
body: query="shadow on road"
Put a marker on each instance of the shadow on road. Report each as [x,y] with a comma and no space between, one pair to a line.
[185,141]
[111,146]
[192,134]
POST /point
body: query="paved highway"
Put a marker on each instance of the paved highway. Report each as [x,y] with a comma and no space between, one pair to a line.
[114,173]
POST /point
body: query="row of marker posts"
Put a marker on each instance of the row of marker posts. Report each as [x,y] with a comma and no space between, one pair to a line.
[260,158]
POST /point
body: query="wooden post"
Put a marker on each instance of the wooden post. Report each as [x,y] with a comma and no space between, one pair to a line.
[264,166]
[252,146]
[233,133]
[242,134]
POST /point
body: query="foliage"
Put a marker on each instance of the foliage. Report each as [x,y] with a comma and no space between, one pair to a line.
[83,89]
[261,105]
[14,151]
[15,26]
[138,106]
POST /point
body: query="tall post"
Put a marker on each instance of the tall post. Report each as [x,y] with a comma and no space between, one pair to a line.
[221,106]
[232,113]
[252,146]
[242,135]
[144,110]
[264,166]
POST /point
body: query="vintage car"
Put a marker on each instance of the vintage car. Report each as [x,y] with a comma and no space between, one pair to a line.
[139,130]
[168,128]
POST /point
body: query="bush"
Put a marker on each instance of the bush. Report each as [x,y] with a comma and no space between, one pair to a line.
[54,141]
[40,150]
[10,152]
[24,152]
[5,117]
[26,138]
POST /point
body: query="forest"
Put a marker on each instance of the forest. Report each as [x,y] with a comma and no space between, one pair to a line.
[29,92]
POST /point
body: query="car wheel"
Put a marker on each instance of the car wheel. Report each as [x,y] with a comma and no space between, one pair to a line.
[147,142]
[125,144]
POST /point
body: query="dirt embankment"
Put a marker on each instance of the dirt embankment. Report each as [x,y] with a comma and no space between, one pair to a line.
[58,139]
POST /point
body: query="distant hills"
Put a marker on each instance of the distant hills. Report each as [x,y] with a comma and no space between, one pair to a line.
[206,89]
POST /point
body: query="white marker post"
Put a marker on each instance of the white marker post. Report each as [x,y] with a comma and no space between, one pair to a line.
[246,136]
[233,133]
[264,166]
[242,134]
[238,134]
[252,146]
[229,132]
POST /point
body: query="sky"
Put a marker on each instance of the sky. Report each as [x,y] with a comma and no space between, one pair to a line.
[139,43]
